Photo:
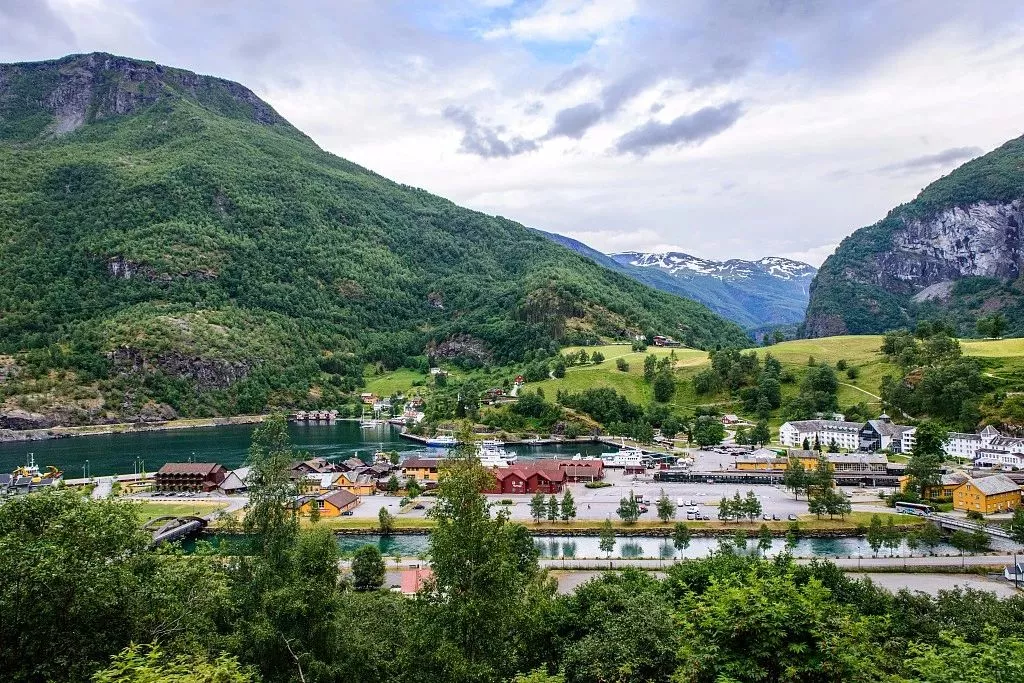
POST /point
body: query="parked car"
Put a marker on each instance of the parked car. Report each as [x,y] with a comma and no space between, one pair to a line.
[346,513]
[419,506]
[775,518]
[689,516]
[766,517]
[643,509]
[792,518]
[705,518]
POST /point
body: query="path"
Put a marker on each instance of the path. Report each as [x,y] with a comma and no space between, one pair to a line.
[863,391]
[104,486]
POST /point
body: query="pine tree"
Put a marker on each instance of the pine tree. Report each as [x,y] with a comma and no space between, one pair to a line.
[568,506]
[553,508]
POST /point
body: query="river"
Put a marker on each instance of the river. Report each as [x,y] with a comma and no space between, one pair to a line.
[628,547]
[107,454]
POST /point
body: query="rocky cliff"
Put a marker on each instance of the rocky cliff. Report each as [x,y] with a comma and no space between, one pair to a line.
[955,252]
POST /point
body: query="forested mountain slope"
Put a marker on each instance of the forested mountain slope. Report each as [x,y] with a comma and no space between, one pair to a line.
[169,243]
[955,251]
[758,294]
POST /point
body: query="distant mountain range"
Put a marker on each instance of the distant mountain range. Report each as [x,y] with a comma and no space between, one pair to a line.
[769,292]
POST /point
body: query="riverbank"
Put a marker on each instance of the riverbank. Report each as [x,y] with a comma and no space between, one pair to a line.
[11,435]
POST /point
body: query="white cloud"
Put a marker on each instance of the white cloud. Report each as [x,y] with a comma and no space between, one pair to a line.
[568,20]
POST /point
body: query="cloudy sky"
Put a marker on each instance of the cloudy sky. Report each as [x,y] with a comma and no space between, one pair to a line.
[722,128]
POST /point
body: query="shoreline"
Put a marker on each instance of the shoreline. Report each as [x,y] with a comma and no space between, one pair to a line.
[11,435]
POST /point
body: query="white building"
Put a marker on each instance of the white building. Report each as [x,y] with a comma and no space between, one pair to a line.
[965,446]
[845,434]
[883,433]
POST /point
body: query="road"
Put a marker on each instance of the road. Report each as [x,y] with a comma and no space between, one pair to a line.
[850,563]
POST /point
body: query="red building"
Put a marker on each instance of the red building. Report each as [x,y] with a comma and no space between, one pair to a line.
[530,478]
[190,476]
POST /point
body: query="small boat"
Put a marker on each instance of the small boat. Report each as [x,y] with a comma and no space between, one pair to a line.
[443,441]
[369,424]
[493,451]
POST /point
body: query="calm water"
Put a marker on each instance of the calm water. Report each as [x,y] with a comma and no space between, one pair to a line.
[122,453]
[569,547]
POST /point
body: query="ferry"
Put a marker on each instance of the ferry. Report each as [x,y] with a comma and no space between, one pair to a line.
[33,473]
[626,457]
[494,451]
[443,441]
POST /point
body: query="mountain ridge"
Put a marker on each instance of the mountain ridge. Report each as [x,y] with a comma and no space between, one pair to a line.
[757,300]
[171,245]
[953,252]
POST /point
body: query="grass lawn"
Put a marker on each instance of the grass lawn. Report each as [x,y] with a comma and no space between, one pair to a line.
[152,509]
[400,380]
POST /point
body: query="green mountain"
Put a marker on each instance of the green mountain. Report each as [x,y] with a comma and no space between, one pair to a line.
[170,244]
[954,252]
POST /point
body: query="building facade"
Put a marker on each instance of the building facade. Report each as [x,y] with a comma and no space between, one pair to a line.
[846,435]
[190,476]
[987,495]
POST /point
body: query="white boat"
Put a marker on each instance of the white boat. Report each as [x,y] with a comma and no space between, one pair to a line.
[369,423]
[444,441]
[626,457]
[492,451]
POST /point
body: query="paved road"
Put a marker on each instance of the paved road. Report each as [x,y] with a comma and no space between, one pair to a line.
[104,486]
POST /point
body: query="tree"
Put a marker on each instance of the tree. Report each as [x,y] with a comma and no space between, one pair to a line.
[739,539]
[806,444]
[752,506]
[385,521]
[795,477]
[913,542]
[741,436]
[708,431]
[1017,525]
[607,542]
[764,539]
[930,536]
[650,366]
[392,486]
[833,447]
[962,541]
[876,534]
[314,513]
[368,568]
[760,434]
[568,511]
[629,509]
[559,369]
[892,537]
[483,566]
[681,537]
[664,386]
[538,506]
[598,357]
[924,467]
[725,509]
[666,509]
[621,365]
[553,509]
[792,536]
[151,664]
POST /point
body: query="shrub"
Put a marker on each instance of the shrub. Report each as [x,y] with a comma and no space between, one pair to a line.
[597,484]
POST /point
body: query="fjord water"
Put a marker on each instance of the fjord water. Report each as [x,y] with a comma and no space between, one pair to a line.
[120,453]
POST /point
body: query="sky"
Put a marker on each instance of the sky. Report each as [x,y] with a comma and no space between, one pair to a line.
[721,128]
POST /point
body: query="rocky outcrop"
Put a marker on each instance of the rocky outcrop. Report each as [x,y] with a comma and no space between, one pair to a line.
[460,346]
[981,239]
[204,373]
[18,419]
[126,269]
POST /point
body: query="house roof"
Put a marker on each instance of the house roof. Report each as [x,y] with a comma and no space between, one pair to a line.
[994,485]
[990,431]
[195,468]
[414,578]
[339,498]
[428,463]
[953,478]
[886,428]
[524,472]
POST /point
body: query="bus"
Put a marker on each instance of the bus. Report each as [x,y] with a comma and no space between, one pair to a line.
[915,509]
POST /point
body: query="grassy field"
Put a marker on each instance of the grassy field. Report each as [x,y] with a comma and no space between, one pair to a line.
[152,509]
[1003,360]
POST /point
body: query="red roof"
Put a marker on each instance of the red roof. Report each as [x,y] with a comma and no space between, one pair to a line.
[413,579]
[524,472]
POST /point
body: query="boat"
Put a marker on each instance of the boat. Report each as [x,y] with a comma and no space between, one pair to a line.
[31,471]
[494,451]
[625,457]
[369,423]
[443,441]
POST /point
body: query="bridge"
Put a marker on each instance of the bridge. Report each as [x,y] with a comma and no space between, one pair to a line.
[945,521]
[169,528]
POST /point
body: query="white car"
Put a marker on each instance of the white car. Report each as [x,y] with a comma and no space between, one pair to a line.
[680,503]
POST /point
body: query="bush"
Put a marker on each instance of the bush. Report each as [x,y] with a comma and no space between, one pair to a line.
[975,515]
[621,365]
[597,485]
[853,372]
[506,501]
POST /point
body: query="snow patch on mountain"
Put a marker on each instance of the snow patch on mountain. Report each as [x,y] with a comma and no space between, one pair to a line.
[680,264]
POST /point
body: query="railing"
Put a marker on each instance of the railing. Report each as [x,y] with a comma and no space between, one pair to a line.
[965,525]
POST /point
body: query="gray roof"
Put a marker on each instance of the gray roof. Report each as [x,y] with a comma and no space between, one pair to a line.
[866,458]
[819,425]
[953,478]
[995,484]
[886,428]
[1006,441]
[963,435]
[990,430]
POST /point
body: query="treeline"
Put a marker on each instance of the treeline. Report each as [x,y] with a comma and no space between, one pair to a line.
[937,380]
[82,588]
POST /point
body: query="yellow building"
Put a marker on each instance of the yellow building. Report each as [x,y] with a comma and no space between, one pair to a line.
[987,495]
[421,469]
[950,483]
[330,504]
[358,484]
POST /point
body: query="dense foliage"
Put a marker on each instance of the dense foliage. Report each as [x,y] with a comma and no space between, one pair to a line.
[188,246]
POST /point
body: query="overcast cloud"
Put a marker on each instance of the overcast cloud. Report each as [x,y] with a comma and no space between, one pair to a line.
[723,128]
